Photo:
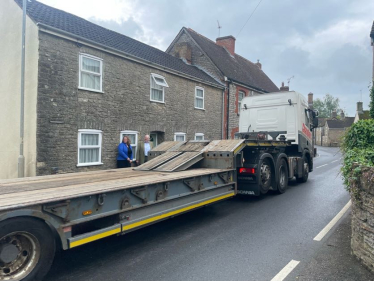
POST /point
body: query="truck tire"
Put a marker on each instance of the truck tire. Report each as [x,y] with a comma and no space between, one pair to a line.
[282,171]
[265,176]
[27,249]
[305,176]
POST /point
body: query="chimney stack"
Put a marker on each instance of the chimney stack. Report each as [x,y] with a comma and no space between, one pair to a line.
[310,100]
[284,88]
[183,51]
[342,115]
[334,114]
[258,64]
[228,42]
[360,109]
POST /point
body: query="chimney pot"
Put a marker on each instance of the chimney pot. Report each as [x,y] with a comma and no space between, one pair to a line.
[258,64]
[360,109]
[228,42]
[310,100]
[284,88]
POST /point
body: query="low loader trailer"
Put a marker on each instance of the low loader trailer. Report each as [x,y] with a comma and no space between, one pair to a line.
[40,214]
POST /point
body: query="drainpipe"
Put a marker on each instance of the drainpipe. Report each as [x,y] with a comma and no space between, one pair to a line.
[223,115]
[21,158]
[228,106]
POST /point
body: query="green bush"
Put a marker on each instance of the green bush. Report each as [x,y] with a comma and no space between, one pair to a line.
[359,135]
[358,150]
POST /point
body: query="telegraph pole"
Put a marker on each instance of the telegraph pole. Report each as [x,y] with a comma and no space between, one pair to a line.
[21,157]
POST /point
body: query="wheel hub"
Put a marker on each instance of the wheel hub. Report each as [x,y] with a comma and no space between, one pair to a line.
[8,253]
[265,173]
[19,254]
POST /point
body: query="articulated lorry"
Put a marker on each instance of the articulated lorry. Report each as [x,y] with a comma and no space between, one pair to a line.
[40,214]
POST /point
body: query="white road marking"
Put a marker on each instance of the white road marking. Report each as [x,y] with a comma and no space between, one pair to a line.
[330,225]
[321,166]
[285,271]
[335,161]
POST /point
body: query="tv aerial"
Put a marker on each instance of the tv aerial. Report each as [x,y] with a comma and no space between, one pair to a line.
[219,29]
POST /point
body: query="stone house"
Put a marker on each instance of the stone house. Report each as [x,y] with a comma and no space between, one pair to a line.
[86,87]
[241,76]
[361,114]
[331,130]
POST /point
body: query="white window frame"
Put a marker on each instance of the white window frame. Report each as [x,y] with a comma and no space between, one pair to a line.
[199,135]
[133,145]
[201,98]
[81,56]
[163,85]
[239,101]
[88,131]
[179,134]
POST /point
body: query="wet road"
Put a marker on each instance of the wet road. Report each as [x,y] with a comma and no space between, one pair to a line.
[244,238]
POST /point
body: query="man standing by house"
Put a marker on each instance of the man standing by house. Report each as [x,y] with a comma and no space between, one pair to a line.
[143,149]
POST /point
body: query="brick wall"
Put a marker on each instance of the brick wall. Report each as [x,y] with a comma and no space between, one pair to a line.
[63,109]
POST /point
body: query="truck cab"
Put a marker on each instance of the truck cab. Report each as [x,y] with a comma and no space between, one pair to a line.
[278,128]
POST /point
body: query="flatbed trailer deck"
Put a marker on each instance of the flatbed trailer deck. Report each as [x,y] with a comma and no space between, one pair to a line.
[77,208]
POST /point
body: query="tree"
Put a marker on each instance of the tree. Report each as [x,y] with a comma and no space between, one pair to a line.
[326,105]
[371,106]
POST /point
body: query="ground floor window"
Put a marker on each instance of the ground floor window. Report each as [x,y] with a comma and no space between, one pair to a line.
[89,147]
[199,136]
[133,136]
[180,136]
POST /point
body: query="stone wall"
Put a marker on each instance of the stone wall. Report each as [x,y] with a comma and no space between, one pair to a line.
[362,194]
[124,104]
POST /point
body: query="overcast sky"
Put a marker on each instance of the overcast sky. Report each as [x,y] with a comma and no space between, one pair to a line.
[324,44]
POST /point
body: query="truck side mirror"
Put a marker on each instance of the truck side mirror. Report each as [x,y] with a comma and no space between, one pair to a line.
[315,122]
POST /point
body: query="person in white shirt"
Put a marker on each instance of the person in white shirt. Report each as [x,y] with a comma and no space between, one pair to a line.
[142,151]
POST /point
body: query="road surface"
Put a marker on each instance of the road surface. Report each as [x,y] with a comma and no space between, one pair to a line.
[244,238]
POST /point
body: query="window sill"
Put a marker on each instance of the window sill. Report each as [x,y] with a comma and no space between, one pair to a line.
[203,109]
[89,164]
[157,101]
[90,90]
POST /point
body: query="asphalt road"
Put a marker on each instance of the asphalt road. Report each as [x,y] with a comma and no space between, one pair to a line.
[244,238]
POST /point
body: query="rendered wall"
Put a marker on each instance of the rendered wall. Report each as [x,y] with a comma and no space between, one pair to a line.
[10,81]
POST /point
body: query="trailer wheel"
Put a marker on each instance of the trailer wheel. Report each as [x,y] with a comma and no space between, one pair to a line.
[305,176]
[265,176]
[27,249]
[282,171]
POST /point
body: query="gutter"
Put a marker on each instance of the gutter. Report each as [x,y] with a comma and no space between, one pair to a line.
[251,87]
[69,36]
[229,81]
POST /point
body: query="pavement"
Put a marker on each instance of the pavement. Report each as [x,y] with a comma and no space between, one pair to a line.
[244,238]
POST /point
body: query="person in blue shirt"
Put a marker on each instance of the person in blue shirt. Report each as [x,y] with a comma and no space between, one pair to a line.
[124,157]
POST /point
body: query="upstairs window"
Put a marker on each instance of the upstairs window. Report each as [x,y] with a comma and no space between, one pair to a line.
[158,84]
[133,136]
[241,95]
[90,73]
[199,136]
[89,147]
[199,98]
[180,137]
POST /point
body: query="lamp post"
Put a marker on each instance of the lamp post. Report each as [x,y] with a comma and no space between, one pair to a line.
[21,157]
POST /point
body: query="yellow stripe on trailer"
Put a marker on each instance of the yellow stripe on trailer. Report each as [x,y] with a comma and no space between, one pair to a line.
[95,237]
[169,214]
[146,221]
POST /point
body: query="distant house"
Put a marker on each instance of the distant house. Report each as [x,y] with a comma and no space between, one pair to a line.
[331,130]
[86,87]
[241,76]
[361,114]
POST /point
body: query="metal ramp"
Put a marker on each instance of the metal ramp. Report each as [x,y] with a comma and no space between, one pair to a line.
[173,156]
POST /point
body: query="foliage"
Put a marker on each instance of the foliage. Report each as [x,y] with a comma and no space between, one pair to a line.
[360,135]
[371,106]
[358,149]
[326,105]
